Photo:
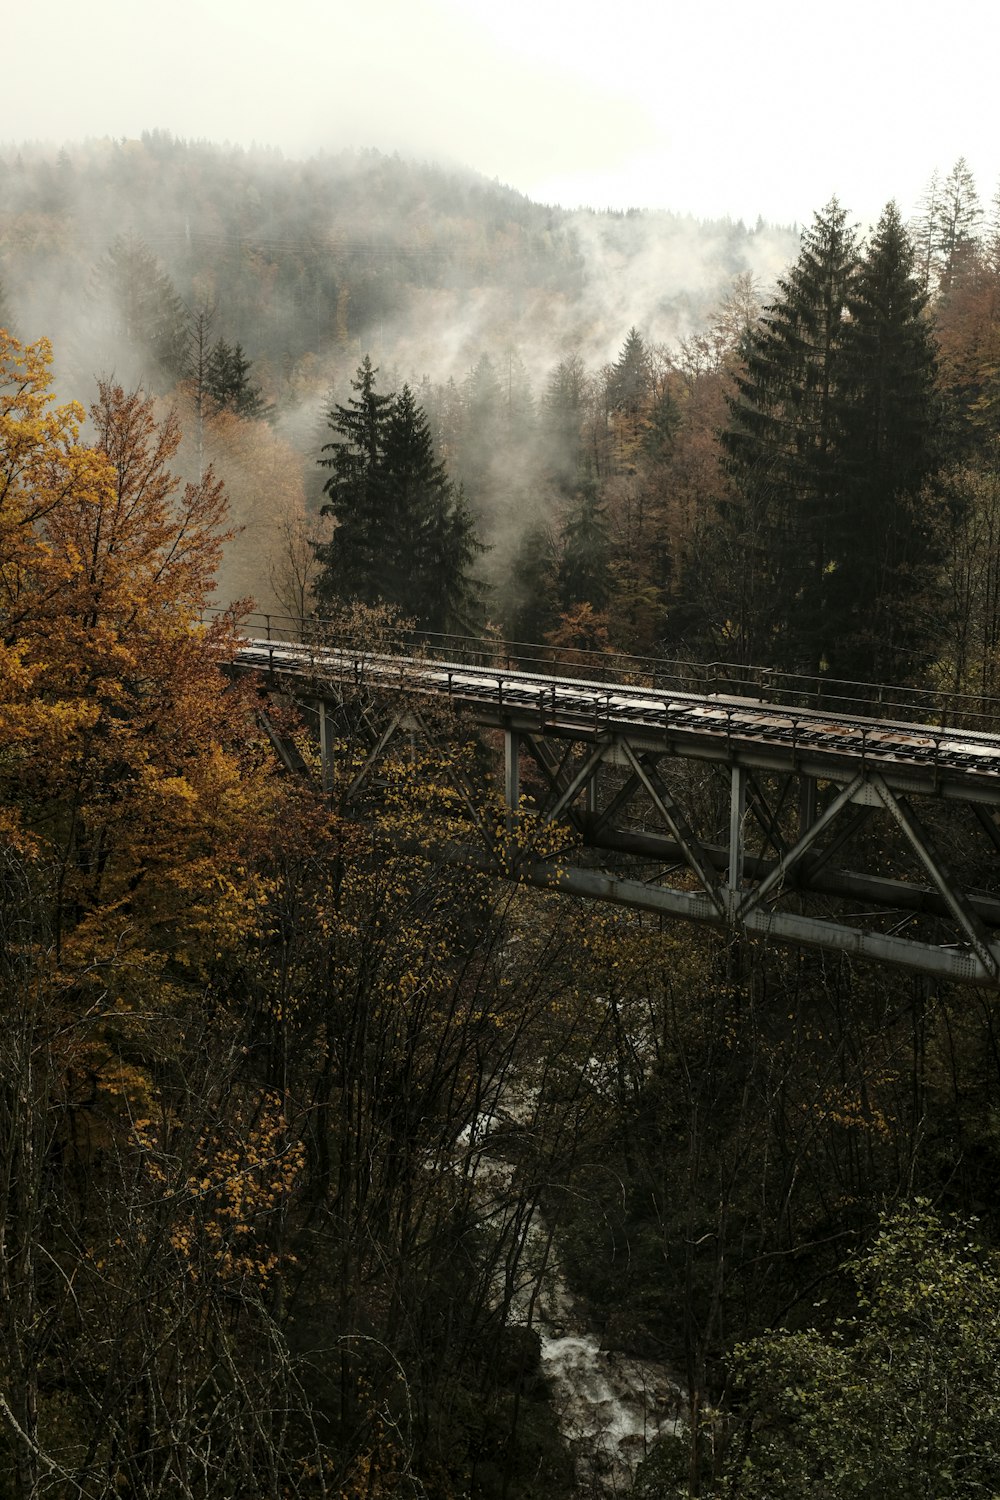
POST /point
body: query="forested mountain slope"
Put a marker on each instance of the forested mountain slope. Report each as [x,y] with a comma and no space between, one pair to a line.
[361,250]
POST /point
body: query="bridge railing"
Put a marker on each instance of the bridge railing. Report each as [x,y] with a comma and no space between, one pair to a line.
[726,680]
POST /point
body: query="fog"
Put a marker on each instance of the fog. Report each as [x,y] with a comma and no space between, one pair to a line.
[112,248]
[712,110]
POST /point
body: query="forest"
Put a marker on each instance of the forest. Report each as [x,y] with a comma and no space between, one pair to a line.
[315,1148]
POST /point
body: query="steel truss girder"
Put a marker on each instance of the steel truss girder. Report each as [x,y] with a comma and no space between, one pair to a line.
[745,895]
[737,888]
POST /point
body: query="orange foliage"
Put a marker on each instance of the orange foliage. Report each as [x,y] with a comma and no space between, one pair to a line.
[581,634]
[967,329]
[263,478]
[122,769]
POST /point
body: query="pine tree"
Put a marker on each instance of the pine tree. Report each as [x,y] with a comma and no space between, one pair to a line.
[956,226]
[628,390]
[531,606]
[147,316]
[629,377]
[482,434]
[430,533]
[518,402]
[923,230]
[831,439]
[562,422]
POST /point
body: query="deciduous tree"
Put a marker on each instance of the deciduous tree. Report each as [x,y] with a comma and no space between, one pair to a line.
[901,1399]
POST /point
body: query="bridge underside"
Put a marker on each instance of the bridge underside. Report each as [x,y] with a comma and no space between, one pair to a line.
[889,864]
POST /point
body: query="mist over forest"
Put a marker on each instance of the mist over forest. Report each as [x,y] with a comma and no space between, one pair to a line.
[340,255]
[113,249]
[336,1161]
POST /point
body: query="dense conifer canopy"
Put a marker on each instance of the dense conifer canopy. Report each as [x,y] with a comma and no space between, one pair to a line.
[403,536]
[829,441]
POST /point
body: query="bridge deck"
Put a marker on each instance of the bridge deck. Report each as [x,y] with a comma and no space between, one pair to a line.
[916,757]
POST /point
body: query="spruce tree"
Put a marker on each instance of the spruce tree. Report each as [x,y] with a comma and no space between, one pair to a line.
[629,378]
[584,567]
[784,451]
[229,384]
[531,605]
[404,535]
[627,394]
[146,314]
[884,558]
[562,422]
[430,538]
[482,435]
[830,442]
[955,233]
[352,561]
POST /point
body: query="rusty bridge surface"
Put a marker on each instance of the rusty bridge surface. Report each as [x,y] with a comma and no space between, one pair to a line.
[860,819]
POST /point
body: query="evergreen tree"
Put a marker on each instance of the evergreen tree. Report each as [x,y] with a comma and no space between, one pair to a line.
[629,378]
[199,356]
[923,230]
[432,548]
[482,433]
[663,424]
[584,566]
[956,225]
[352,561]
[784,449]
[404,536]
[830,441]
[562,422]
[885,556]
[531,607]
[147,316]
[229,384]
[518,402]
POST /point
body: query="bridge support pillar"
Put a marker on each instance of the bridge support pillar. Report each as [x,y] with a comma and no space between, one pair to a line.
[592,800]
[737,839]
[512,775]
[807,804]
[325,747]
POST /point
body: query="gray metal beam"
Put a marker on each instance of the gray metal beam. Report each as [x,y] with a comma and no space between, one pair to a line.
[737,845]
[675,820]
[374,755]
[576,784]
[785,927]
[553,772]
[512,770]
[813,878]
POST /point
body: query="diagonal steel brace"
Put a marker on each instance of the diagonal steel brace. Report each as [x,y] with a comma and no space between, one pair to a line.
[956,899]
[659,795]
[754,897]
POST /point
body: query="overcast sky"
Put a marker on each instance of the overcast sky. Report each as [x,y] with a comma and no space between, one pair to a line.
[710,107]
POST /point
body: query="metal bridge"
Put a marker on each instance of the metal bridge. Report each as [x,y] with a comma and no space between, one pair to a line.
[869,826]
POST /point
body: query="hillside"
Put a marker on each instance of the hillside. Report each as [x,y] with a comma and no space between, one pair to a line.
[356,252]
